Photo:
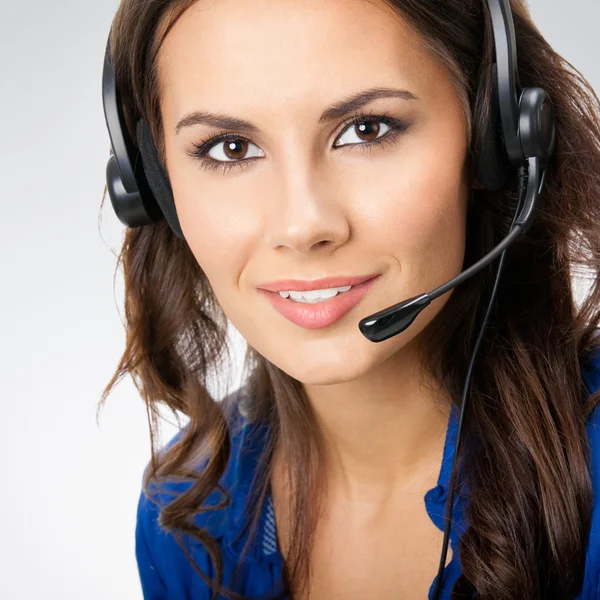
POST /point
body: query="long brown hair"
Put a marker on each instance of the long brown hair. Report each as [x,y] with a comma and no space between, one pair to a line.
[524,447]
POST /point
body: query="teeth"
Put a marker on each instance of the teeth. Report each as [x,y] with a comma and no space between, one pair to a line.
[314,296]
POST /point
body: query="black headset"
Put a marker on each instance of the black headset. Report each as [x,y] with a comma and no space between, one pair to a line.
[518,142]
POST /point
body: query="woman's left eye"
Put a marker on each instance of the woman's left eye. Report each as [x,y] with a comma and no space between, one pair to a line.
[371,129]
[368,126]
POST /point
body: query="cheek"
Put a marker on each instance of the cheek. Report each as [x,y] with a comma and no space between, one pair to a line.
[203,209]
[222,233]
[418,213]
[221,256]
[431,229]
[218,225]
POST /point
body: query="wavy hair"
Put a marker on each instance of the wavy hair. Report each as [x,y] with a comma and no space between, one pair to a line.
[524,455]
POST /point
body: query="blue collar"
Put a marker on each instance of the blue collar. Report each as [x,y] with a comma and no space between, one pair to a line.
[439,493]
[230,523]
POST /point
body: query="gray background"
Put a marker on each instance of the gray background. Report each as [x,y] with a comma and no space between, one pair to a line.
[69,487]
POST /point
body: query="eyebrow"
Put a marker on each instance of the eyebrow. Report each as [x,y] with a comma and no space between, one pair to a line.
[335,111]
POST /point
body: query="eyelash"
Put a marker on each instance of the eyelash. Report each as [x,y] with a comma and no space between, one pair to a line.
[397,127]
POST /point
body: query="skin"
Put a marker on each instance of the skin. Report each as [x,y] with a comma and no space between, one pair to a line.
[306,209]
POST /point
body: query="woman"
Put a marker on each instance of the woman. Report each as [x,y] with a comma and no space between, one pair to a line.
[340,140]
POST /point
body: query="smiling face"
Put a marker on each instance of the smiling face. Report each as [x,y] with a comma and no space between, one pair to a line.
[306,193]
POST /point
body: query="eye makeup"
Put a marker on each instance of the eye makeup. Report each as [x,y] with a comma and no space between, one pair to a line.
[396,128]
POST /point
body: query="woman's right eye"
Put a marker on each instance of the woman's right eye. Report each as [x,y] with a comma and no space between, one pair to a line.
[210,153]
[227,150]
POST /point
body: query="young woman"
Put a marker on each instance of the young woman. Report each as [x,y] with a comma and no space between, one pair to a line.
[341,140]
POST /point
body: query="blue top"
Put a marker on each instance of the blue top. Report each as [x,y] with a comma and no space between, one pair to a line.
[166,574]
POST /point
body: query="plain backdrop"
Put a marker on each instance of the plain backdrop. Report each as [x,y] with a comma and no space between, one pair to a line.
[68,486]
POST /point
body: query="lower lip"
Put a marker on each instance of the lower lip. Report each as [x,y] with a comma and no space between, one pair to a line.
[322,313]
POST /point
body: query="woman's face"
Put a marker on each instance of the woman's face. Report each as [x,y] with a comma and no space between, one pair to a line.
[307,197]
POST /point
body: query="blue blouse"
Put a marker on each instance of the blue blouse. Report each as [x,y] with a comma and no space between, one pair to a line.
[166,574]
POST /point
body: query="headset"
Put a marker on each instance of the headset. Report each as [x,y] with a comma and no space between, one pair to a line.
[519,141]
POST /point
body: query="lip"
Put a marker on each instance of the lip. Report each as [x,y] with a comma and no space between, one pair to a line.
[322,313]
[298,285]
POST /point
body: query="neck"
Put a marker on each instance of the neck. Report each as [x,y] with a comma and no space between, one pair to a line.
[383,434]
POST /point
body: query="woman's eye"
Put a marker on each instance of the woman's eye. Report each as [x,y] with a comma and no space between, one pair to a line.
[232,150]
[369,131]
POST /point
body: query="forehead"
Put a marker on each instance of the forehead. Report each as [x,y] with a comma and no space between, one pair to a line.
[270,54]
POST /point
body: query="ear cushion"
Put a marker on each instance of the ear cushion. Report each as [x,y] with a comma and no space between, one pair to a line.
[493,165]
[157,177]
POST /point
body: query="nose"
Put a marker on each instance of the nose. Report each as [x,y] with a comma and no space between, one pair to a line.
[307,211]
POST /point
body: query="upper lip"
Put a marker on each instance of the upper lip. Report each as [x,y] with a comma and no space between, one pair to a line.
[300,285]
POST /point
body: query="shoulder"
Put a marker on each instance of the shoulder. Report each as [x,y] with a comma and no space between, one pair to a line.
[591,377]
[164,570]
